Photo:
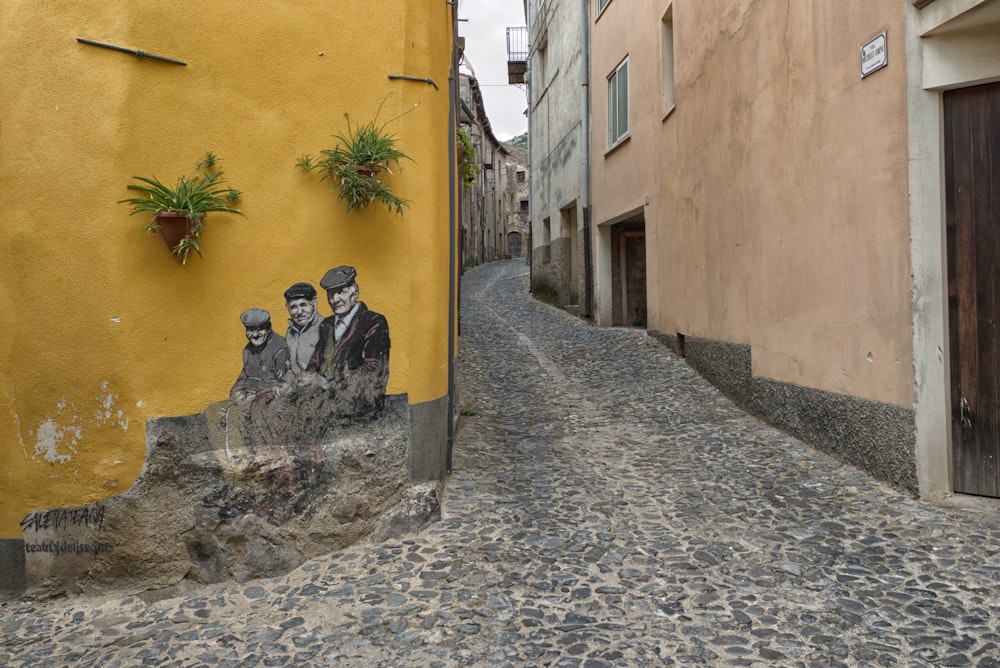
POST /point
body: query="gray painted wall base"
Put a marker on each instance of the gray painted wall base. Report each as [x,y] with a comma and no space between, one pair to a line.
[428,440]
[878,438]
[12,568]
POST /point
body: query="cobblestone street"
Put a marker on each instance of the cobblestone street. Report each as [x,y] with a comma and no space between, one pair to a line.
[607,507]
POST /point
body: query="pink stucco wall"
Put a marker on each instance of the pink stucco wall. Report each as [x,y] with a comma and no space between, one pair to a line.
[777,211]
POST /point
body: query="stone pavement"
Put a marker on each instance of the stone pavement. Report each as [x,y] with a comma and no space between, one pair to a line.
[607,508]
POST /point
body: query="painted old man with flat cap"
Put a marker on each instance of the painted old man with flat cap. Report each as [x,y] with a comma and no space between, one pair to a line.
[265,358]
[352,353]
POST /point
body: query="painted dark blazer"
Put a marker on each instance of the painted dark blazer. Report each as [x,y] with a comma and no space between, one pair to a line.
[263,369]
[358,366]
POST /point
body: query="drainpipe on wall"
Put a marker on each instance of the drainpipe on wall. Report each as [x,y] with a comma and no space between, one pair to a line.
[531,182]
[531,191]
[453,221]
[588,268]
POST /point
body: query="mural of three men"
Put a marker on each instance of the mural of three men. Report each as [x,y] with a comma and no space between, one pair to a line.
[343,358]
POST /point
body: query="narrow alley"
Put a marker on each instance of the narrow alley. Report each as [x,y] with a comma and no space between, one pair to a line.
[607,507]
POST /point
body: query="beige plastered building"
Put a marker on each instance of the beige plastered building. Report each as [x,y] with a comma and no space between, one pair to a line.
[490,228]
[774,205]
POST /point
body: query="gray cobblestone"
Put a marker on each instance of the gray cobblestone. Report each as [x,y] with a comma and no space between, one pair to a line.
[608,507]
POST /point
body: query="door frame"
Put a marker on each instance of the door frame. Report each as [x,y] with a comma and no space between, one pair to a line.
[935,63]
[972,254]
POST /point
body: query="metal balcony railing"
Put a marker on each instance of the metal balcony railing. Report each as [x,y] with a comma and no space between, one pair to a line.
[517,54]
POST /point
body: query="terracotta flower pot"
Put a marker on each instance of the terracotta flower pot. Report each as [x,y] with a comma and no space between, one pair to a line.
[371,171]
[174,226]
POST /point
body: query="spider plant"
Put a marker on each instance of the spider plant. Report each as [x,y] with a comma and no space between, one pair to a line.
[358,164]
[191,195]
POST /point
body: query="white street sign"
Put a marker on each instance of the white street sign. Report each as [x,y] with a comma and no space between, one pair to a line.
[874,55]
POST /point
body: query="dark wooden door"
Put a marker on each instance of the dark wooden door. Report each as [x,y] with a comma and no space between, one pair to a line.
[628,279]
[972,203]
[514,244]
[635,279]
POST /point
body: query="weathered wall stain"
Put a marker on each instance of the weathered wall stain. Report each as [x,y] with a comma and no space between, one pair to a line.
[57,436]
[56,442]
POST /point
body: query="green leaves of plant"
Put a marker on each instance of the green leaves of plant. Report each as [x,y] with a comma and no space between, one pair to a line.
[469,166]
[193,195]
[357,166]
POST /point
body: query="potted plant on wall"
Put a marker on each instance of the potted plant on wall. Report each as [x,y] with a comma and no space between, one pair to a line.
[358,165]
[179,211]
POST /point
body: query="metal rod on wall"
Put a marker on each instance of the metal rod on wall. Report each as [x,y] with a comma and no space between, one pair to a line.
[134,52]
[406,78]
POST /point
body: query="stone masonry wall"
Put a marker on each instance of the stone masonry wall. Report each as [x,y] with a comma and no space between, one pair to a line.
[551,268]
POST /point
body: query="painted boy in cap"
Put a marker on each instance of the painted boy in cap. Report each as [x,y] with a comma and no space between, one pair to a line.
[303,325]
[265,358]
[352,353]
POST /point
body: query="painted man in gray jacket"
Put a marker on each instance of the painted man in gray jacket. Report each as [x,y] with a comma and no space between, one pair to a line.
[303,325]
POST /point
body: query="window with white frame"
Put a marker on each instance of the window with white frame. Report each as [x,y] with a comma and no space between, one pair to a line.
[618,104]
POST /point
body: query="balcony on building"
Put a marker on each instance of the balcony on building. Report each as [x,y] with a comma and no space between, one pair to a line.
[517,55]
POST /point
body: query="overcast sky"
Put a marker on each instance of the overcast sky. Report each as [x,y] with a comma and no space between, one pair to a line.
[485,34]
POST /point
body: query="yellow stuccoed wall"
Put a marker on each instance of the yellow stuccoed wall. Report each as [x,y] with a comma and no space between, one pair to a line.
[102,327]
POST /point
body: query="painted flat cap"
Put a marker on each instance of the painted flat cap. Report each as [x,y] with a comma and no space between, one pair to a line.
[338,279]
[300,291]
[255,317]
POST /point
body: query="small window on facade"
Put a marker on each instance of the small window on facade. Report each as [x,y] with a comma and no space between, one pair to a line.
[667,47]
[524,206]
[520,177]
[618,104]
[539,66]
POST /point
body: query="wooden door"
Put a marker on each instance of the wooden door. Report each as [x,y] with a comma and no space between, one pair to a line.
[972,207]
[514,244]
[632,277]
